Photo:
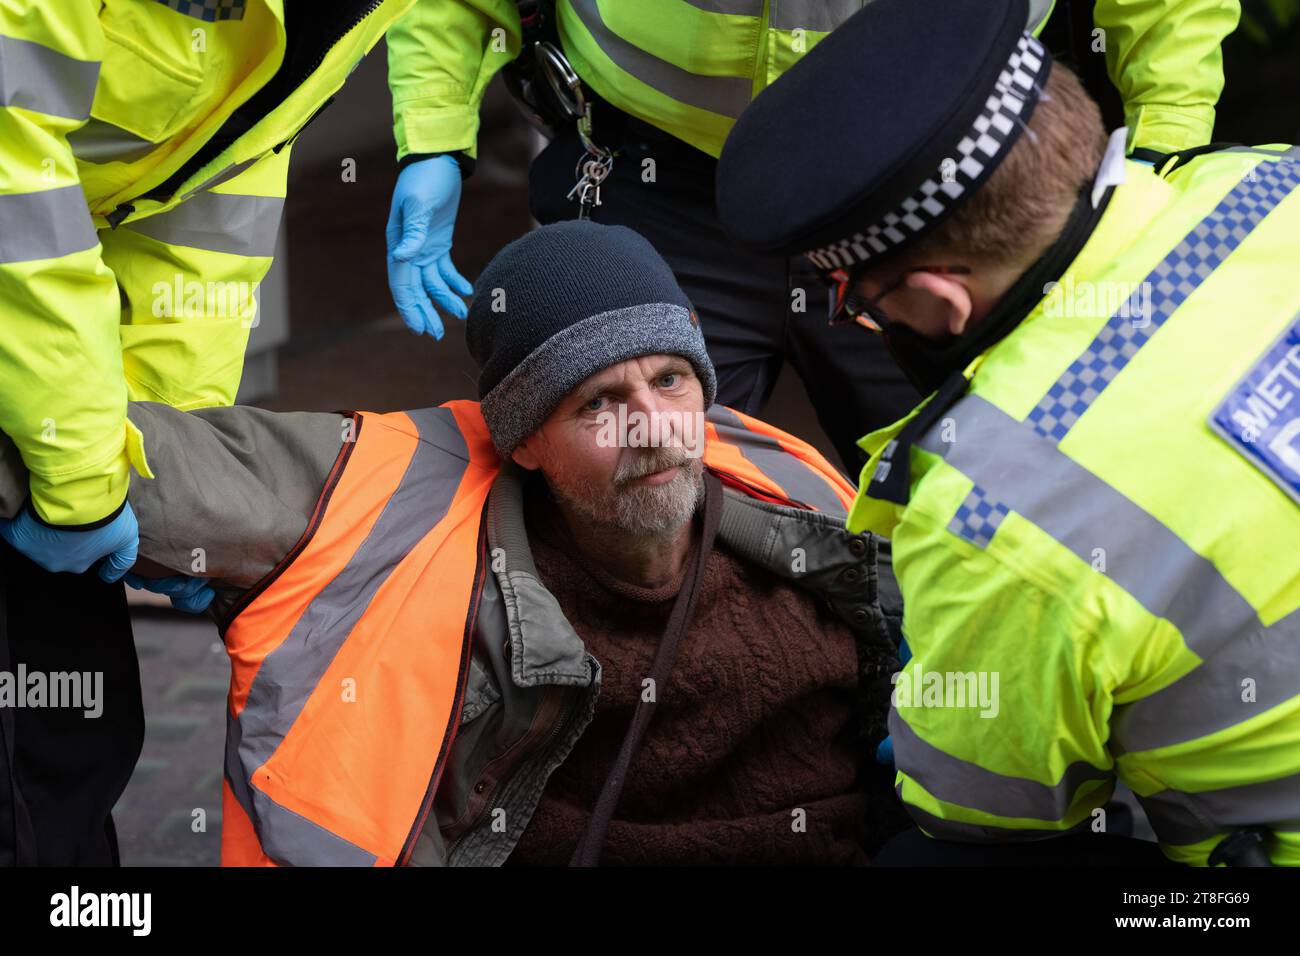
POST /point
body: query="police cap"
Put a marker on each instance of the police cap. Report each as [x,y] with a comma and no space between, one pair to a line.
[881,131]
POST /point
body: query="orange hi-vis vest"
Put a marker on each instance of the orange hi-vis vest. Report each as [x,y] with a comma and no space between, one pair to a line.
[349,661]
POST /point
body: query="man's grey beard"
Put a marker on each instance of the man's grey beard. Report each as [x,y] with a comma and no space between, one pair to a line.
[640,509]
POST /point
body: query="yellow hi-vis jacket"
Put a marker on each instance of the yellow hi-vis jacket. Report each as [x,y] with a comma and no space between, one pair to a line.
[691,67]
[109,290]
[1101,549]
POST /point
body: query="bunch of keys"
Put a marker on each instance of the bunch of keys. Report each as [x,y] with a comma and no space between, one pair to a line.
[590,172]
[595,164]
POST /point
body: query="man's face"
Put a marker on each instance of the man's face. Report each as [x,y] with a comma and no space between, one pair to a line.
[614,476]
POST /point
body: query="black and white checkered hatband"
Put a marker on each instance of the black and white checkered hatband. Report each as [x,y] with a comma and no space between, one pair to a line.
[977,154]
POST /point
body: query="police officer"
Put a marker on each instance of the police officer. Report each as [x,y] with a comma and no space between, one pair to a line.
[1095,514]
[144,148]
[669,81]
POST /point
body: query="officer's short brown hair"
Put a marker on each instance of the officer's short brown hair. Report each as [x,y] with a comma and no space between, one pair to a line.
[1025,202]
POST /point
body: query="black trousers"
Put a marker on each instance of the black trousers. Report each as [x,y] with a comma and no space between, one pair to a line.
[61,772]
[756,311]
[914,848]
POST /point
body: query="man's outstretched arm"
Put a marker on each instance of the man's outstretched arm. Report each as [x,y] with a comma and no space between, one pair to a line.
[236,487]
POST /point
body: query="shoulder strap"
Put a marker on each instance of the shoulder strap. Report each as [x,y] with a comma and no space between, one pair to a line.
[593,837]
[1160,162]
[892,480]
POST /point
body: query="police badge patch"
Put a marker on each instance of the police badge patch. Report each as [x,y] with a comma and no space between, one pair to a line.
[1260,417]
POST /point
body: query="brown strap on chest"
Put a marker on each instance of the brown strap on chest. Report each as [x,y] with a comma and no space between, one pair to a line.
[592,840]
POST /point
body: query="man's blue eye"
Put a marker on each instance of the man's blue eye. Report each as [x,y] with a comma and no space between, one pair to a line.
[594,404]
[671,375]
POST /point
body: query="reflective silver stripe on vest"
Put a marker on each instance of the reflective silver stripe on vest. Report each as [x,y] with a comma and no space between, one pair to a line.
[100,142]
[1209,698]
[1032,476]
[1287,155]
[294,838]
[819,15]
[1183,818]
[218,222]
[291,672]
[1035,479]
[799,481]
[738,8]
[45,224]
[974,833]
[34,77]
[225,175]
[967,784]
[728,95]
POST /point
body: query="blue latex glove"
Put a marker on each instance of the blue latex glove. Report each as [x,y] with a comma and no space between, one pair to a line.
[420,223]
[191,595]
[68,549]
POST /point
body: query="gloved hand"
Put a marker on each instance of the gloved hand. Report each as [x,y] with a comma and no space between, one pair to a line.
[191,595]
[69,549]
[420,223]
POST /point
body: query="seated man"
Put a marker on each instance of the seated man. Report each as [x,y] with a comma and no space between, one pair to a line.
[453,630]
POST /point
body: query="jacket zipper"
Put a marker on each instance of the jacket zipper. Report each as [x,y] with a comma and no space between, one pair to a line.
[370,8]
[453,723]
[304,75]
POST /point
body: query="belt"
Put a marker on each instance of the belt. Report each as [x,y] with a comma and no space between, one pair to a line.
[613,126]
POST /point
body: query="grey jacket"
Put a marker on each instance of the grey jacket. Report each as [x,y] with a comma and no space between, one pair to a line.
[236,488]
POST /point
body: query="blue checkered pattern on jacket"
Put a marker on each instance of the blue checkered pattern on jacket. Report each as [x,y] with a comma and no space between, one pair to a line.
[1176,277]
[209,10]
[978,517]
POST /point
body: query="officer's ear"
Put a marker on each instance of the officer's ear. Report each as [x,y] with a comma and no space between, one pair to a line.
[951,299]
[525,457]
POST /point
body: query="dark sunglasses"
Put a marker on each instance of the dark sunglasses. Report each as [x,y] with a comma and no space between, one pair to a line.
[847,307]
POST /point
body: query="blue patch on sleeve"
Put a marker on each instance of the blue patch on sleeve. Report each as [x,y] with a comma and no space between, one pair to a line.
[1260,417]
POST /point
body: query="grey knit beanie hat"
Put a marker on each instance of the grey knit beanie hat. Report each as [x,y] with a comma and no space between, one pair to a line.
[562,303]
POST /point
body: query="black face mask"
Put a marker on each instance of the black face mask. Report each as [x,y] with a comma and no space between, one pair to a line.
[925,363]
[928,364]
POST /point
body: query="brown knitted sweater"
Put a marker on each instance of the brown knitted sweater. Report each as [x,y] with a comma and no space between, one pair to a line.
[756,721]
